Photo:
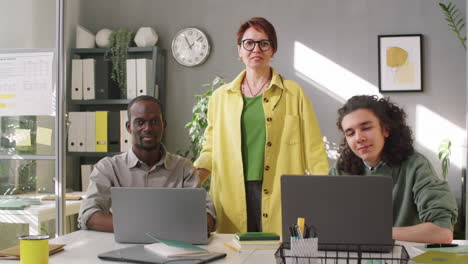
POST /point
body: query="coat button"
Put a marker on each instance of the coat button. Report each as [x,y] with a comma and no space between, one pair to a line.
[269,119]
[265,215]
[267,167]
[266,100]
[265,191]
[269,144]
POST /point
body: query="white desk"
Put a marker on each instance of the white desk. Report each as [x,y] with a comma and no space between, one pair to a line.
[35,214]
[84,246]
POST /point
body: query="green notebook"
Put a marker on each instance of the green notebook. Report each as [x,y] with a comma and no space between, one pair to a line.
[250,236]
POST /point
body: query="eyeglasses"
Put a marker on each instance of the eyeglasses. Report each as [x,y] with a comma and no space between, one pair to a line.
[249,44]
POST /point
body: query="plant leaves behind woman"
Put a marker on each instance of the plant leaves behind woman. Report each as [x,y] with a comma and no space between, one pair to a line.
[199,120]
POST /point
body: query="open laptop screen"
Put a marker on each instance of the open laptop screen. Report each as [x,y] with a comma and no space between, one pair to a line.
[170,213]
[354,210]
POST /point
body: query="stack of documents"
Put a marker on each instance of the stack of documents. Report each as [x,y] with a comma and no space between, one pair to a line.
[12,204]
[256,240]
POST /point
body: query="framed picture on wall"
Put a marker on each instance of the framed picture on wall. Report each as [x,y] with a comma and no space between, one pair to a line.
[400,63]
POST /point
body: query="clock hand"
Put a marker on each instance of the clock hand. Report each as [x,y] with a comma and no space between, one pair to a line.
[188,43]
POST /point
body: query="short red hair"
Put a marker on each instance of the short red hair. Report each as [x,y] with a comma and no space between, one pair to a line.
[260,24]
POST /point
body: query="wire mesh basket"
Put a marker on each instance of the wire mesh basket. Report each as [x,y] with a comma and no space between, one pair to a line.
[345,254]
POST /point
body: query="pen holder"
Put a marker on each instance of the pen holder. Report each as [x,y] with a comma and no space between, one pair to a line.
[304,250]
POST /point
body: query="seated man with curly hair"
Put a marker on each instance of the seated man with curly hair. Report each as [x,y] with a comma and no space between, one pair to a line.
[377,141]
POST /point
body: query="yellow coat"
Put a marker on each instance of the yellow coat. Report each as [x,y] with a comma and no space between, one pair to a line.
[293,144]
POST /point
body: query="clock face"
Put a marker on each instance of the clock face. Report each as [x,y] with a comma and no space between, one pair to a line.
[190,47]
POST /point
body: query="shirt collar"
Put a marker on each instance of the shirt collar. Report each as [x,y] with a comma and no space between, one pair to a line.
[235,85]
[133,160]
[376,167]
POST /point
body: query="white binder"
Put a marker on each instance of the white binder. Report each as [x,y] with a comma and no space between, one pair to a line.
[86,170]
[89,83]
[144,68]
[131,79]
[76,131]
[77,80]
[90,134]
[125,138]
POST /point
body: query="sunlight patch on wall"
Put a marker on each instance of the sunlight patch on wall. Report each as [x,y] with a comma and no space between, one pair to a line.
[431,129]
[333,79]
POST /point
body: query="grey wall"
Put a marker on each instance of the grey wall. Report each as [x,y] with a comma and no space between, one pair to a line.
[27,24]
[344,32]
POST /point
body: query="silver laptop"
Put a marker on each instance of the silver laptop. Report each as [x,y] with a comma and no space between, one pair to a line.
[170,213]
[346,210]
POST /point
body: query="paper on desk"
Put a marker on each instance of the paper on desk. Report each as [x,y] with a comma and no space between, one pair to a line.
[12,204]
[14,252]
[439,257]
[172,248]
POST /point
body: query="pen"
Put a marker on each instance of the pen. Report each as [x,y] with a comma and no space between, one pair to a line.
[300,224]
[440,245]
[231,247]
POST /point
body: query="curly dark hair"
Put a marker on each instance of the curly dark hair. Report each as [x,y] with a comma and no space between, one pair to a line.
[398,145]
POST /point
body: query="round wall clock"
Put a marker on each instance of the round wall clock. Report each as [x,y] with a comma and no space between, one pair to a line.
[190,47]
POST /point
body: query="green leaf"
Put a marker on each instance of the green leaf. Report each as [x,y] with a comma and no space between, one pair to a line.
[455,21]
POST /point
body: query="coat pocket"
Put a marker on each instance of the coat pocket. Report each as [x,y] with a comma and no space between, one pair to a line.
[291,130]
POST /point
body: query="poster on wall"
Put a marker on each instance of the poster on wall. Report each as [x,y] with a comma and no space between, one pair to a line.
[400,63]
[26,83]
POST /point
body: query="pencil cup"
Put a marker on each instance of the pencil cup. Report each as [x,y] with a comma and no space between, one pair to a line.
[304,251]
[34,249]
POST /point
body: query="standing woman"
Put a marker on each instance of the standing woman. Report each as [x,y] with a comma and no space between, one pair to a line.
[260,126]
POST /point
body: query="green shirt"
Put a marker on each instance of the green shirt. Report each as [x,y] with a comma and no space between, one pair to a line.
[253,138]
[419,195]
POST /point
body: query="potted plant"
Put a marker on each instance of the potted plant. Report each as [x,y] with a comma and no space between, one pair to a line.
[117,52]
[444,156]
[199,123]
[455,20]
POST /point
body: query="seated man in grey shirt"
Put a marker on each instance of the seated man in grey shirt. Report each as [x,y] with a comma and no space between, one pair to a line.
[146,164]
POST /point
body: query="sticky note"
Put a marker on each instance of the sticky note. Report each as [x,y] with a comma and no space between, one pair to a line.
[23,137]
[44,136]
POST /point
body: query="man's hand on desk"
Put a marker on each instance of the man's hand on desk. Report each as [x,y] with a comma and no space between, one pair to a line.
[203,174]
[210,223]
[100,221]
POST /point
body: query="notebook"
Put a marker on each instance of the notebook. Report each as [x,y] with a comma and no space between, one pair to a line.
[139,254]
[351,210]
[168,213]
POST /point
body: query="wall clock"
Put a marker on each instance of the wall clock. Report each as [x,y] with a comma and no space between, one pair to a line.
[190,47]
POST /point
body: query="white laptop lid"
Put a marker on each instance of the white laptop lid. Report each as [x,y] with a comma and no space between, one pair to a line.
[171,213]
[353,210]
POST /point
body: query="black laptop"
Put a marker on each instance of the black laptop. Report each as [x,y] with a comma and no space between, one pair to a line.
[350,213]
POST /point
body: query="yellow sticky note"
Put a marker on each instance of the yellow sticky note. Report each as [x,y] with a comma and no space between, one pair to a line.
[23,137]
[7,96]
[44,136]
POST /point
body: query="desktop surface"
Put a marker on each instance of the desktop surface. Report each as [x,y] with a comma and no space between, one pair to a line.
[83,246]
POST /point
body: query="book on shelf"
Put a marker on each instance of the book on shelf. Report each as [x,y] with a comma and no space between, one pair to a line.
[249,236]
[256,244]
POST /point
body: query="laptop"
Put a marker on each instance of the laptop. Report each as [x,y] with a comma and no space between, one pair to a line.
[170,213]
[351,213]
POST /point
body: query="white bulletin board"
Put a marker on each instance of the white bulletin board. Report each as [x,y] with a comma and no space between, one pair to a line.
[26,83]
